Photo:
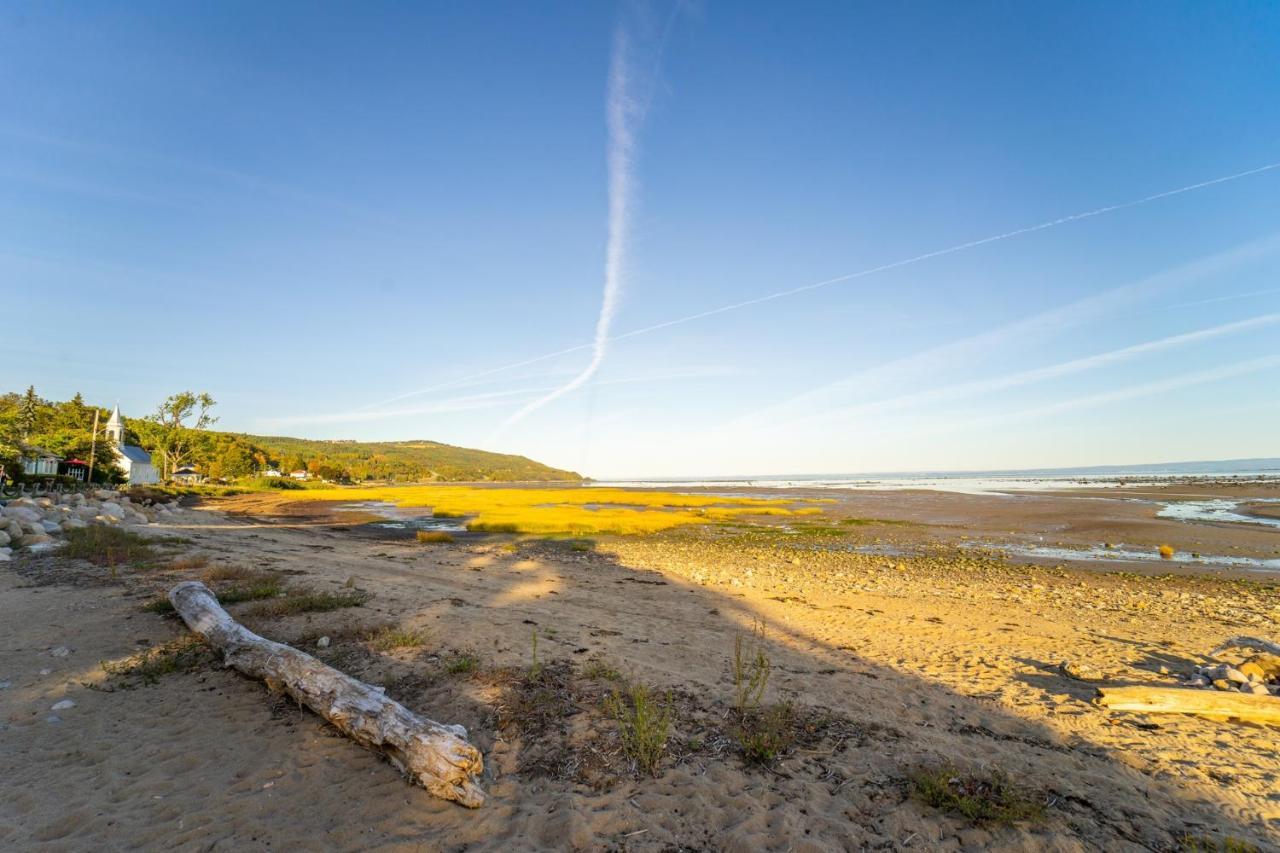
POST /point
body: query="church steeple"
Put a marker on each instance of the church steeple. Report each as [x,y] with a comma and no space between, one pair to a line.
[115,428]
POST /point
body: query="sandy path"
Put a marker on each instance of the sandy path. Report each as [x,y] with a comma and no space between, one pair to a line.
[952,665]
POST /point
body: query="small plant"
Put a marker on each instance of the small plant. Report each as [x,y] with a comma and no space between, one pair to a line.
[185,564]
[978,799]
[108,546]
[644,725]
[461,663]
[429,536]
[183,655]
[1229,844]
[229,573]
[535,668]
[582,545]
[599,670]
[159,605]
[750,670]
[766,734]
[391,637]
[255,590]
[307,601]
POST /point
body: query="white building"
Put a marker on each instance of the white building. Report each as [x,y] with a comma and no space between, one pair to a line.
[133,460]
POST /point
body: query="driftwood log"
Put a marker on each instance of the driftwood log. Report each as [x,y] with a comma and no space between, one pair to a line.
[436,755]
[1253,643]
[1215,704]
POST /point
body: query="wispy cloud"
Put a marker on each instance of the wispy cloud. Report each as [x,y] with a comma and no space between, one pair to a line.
[965,390]
[782,294]
[623,115]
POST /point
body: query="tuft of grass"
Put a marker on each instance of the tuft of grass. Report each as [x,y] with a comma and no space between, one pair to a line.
[765,734]
[644,725]
[182,655]
[229,573]
[309,601]
[254,590]
[461,663]
[428,536]
[751,669]
[979,799]
[393,637]
[184,564]
[600,670]
[108,546]
[581,545]
[159,605]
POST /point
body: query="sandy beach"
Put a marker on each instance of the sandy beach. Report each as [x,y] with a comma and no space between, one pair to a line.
[900,647]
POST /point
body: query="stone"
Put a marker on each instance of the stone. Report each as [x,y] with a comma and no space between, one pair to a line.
[322,643]
[1236,676]
[1080,671]
[64,705]
[1223,684]
[22,513]
[59,651]
[1265,666]
[1256,689]
[50,526]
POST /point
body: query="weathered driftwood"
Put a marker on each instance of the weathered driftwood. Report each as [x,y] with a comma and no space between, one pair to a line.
[1216,704]
[438,756]
[1253,643]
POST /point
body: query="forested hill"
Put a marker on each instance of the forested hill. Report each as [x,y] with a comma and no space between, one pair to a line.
[401,460]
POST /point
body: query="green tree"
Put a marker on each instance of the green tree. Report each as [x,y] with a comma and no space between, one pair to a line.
[28,412]
[174,429]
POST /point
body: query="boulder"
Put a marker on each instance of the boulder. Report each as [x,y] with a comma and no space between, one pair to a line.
[22,513]
[1265,667]
[50,526]
[4,538]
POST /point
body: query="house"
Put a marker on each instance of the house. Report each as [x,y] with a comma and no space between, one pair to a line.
[300,475]
[188,476]
[271,472]
[38,462]
[133,460]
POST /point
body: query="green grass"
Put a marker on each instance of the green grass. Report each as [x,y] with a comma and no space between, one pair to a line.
[393,637]
[1229,844]
[599,670]
[989,799]
[644,725]
[255,590]
[461,663]
[182,655]
[429,536]
[309,601]
[863,522]
[108,546]
[159,605]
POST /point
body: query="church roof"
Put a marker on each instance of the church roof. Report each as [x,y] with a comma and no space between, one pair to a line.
[135,454]
[115,417]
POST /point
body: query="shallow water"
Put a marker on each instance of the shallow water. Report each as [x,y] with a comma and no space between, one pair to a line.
[1120,554]
[1218,510]
[401,519]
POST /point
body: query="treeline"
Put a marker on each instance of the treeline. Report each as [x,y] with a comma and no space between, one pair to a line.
[177,434]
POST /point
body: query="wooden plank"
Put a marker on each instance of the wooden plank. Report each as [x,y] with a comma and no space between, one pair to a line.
[1215,704]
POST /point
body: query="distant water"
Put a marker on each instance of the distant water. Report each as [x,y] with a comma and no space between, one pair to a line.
[989,482]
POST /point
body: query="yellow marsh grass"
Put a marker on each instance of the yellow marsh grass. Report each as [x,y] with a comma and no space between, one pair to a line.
[566,511]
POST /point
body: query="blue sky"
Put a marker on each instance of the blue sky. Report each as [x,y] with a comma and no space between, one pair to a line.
[310,210]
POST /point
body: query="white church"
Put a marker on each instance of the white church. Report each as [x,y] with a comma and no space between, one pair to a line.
[133,460]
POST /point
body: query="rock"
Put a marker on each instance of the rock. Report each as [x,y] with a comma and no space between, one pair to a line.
[43,547]
[53,718]
[113,510]
[1197,681]
[1223,684]
[1234,675]
[1264,666]
[50,526]
[22,513]
[1256,689]
[32,540]
[6,554]
[59,651]
[64,705]
[1080,671]
[5,685]
[1166,552]
[322,643]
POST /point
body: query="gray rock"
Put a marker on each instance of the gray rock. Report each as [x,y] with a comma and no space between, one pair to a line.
[59,651]
[64,705]
[322,643]
[1234,675]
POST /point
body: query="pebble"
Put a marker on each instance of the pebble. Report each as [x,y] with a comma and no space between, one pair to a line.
[5,685]
[64,705]
[53,718]
[1235,675]
[322,643]
[60,651]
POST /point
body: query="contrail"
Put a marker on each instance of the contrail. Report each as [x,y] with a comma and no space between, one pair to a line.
[781,294]
[622,112]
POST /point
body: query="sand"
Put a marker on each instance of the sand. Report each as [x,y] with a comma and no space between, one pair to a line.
[915,661]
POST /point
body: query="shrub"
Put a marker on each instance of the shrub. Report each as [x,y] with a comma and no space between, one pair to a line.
[435,536]
[766,734]
[644,725]
[461,663]
[977,799]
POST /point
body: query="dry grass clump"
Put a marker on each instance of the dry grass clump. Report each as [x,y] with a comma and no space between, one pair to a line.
[431,536]
[391,637]
[108,546]
[229,573]
[979,799]
[461,663]
[644,725]
[309,601]
[182,655]
[186,564]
